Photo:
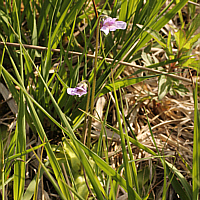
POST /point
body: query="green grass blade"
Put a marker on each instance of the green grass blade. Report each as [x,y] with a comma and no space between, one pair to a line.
[62,18]
[132,166]
[54,183]
[185,184]
[31,187]
[122,83]
[196,150]
[123,11]
[2,174]
[18,155]
[19,166]
[131,193]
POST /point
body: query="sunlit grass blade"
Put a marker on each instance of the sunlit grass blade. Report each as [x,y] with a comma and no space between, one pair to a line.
[162,161]
[196,150]
[123,11]
[132,166]
[19,166]
[185,189]
[122,83]
[51,178]
[2,174]
[31,187]
[131,193]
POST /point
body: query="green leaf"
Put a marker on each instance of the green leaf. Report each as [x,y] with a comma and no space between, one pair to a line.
[164,86]
[122,83]
[193,26]
[180,37]
[123,11]
[196,150]
[181,178]
[190,43]
[20,132]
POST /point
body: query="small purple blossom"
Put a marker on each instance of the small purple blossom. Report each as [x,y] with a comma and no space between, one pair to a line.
[110,24]
[80,90]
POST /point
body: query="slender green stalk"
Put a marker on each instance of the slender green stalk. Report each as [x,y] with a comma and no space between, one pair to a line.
[38,177]
[86,110]
[93,84]
[2,172]
[2,166]
[83,137]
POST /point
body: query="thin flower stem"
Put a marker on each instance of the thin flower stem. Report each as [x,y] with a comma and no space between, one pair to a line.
[95,9]
[86,110]
[93,85]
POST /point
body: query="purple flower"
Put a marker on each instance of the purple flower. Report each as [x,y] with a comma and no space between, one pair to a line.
[80,90]
[110,24]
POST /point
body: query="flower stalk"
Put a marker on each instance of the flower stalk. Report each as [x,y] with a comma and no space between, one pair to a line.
[93,85]
[83,136]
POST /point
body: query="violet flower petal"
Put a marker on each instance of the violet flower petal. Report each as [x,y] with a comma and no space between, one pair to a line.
[112,28]
[109,20]
[77,91]
[105,29]
[81,91]
[120,25]
[71,91]
[110,24]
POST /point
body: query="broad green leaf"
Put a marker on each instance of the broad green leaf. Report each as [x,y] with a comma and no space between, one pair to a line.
[180,38]
[164,85]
